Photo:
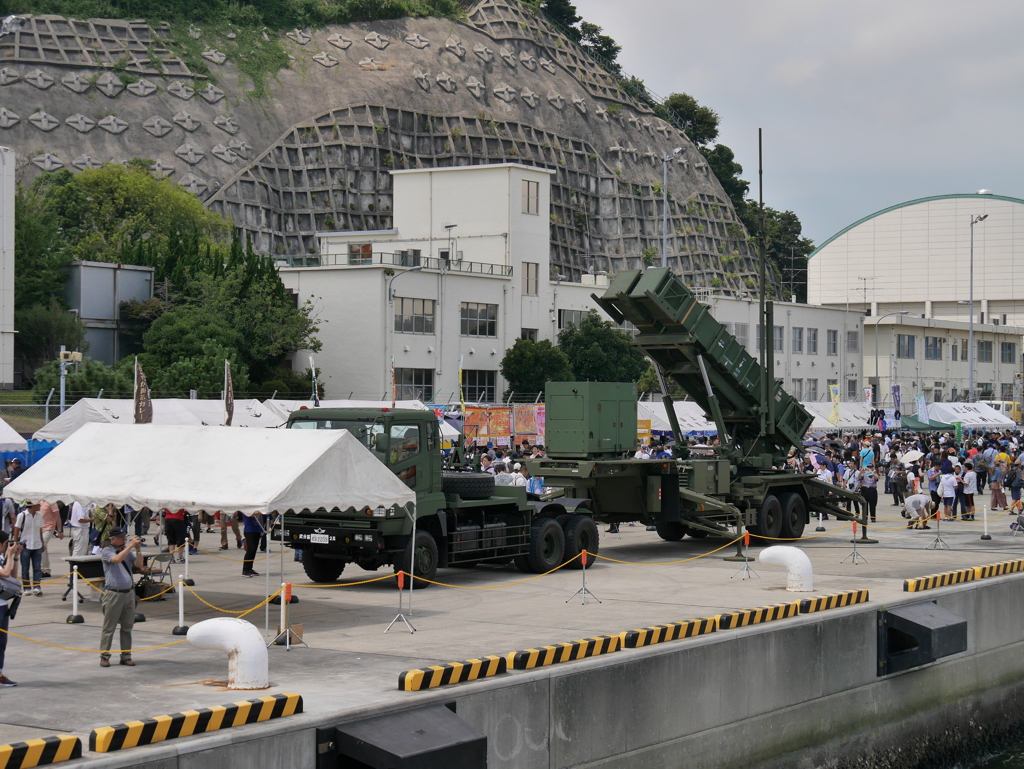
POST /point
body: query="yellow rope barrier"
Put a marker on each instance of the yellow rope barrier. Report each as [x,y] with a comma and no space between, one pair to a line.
[507,584]
[240,612]
[350,584]
[92,651]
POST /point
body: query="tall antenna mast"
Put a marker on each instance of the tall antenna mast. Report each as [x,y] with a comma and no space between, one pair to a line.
[766,333]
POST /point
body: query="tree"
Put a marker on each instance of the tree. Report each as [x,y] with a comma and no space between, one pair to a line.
[528,366]
[599,352]
[203,373]
[699,123]
[722,162]
[39,267]
[604,50]
[182,333]
[42,329]
[786,249]
[648,383]
[82,381]
[563,13]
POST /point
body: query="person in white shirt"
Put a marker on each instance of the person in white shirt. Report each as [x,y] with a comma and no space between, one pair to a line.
[970,489]
[28,531]
[947,490]
[519,478]
[502,477]
[922,506]
[79,524]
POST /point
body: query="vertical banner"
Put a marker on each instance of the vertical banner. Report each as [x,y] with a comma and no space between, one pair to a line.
[897,396]
[316,393]
[867,394]
[643,431]
[833,391]
[229,394]
[922,407]
[474,424]
[141,400]
[959,431]
[541,414]
[394,384]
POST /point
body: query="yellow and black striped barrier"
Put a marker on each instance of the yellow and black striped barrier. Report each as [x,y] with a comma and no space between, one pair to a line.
[998,569]
[938,580]
[189,722]
[452,673]
[734,619]
[564,652]
[833,601]
[40,752]
[646,636]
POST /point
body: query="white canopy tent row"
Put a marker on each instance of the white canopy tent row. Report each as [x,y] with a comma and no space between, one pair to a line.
[691,417]
[213,468]
[973,416]
[853,417]
[166,411]
[283,408]
[10,440]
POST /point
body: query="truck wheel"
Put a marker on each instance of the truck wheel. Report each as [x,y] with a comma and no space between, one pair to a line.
[769,518]
[321,569]
[580,534]
[698,533]
[426,560]
[547,544]
[468,485]
[794,515]
[671,531]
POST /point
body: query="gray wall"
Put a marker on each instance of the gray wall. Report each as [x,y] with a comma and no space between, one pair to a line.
[95,290]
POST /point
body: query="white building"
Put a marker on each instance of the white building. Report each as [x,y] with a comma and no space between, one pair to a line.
[463,274]
[932,356]
[916,256]
[814,346]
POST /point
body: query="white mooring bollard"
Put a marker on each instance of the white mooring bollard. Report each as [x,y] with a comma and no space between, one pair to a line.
[800,576]
[248,661]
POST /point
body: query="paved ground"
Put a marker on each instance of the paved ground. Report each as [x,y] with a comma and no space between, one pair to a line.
[353,663]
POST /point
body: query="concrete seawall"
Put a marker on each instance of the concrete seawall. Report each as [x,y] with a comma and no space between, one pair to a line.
[796,692]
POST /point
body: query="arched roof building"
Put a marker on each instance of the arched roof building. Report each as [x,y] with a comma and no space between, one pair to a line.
[916,256]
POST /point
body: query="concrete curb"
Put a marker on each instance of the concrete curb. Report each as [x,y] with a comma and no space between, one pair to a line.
[745,617]
[40,752]
[419,679]
[634,639]
[564,652]
[833,601]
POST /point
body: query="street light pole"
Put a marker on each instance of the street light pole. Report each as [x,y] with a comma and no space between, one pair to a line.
[970,334]
[664,204]
[878,378]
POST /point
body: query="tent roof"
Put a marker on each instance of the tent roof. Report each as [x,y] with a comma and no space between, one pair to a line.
[283,408]
[853,417]
[10,440]
[972,415]
[212,468]
[690,415]
[911,422]
[166,411]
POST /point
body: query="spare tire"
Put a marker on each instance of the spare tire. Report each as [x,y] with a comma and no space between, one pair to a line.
[468,485]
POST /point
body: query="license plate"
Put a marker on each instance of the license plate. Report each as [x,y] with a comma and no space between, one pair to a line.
[319,539]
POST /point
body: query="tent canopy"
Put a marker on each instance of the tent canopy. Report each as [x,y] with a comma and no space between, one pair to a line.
[691,417]
[912,423]
[166,411]
[974,416]
[853,417]
[212,468]
[10,440]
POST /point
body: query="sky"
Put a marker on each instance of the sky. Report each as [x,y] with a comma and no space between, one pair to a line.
[863,104]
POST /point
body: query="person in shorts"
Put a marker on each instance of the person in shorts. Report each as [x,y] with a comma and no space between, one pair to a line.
[174,531]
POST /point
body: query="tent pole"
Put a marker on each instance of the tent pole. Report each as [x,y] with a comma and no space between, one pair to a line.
[412,559]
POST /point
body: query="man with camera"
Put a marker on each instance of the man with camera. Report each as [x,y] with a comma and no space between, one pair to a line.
[119,599]
[9,556]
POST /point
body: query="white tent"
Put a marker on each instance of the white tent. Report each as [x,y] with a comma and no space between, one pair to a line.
[10,440]
[853,417]
[212,468]
[690,415]
[166,411]
[284,408]
[973,415]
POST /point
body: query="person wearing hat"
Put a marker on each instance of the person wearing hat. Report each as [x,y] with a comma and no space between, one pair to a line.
[119,600]
[16,468]
[28,532]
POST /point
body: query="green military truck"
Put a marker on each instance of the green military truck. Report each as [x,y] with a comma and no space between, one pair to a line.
[462,517]
[591,430]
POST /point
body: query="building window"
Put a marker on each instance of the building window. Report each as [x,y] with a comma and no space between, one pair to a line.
[777,337]
[904,345]
[479,319]
[984,352]
[851,390]
[812,341]
[1008,352]
[742,333]
[478,386]
[953,350]
[798,340]
[1006,391]
[410,258]
[797,390]
[360,253]
[414,384]
[985,389]
[568,318]
[933,348]
[811,390]
[853,341]
[531,197]
[832,342]
[414,316]
[530,272]
[529,334]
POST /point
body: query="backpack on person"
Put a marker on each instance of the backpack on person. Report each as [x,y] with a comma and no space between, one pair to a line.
[1012,477]
[980,463]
